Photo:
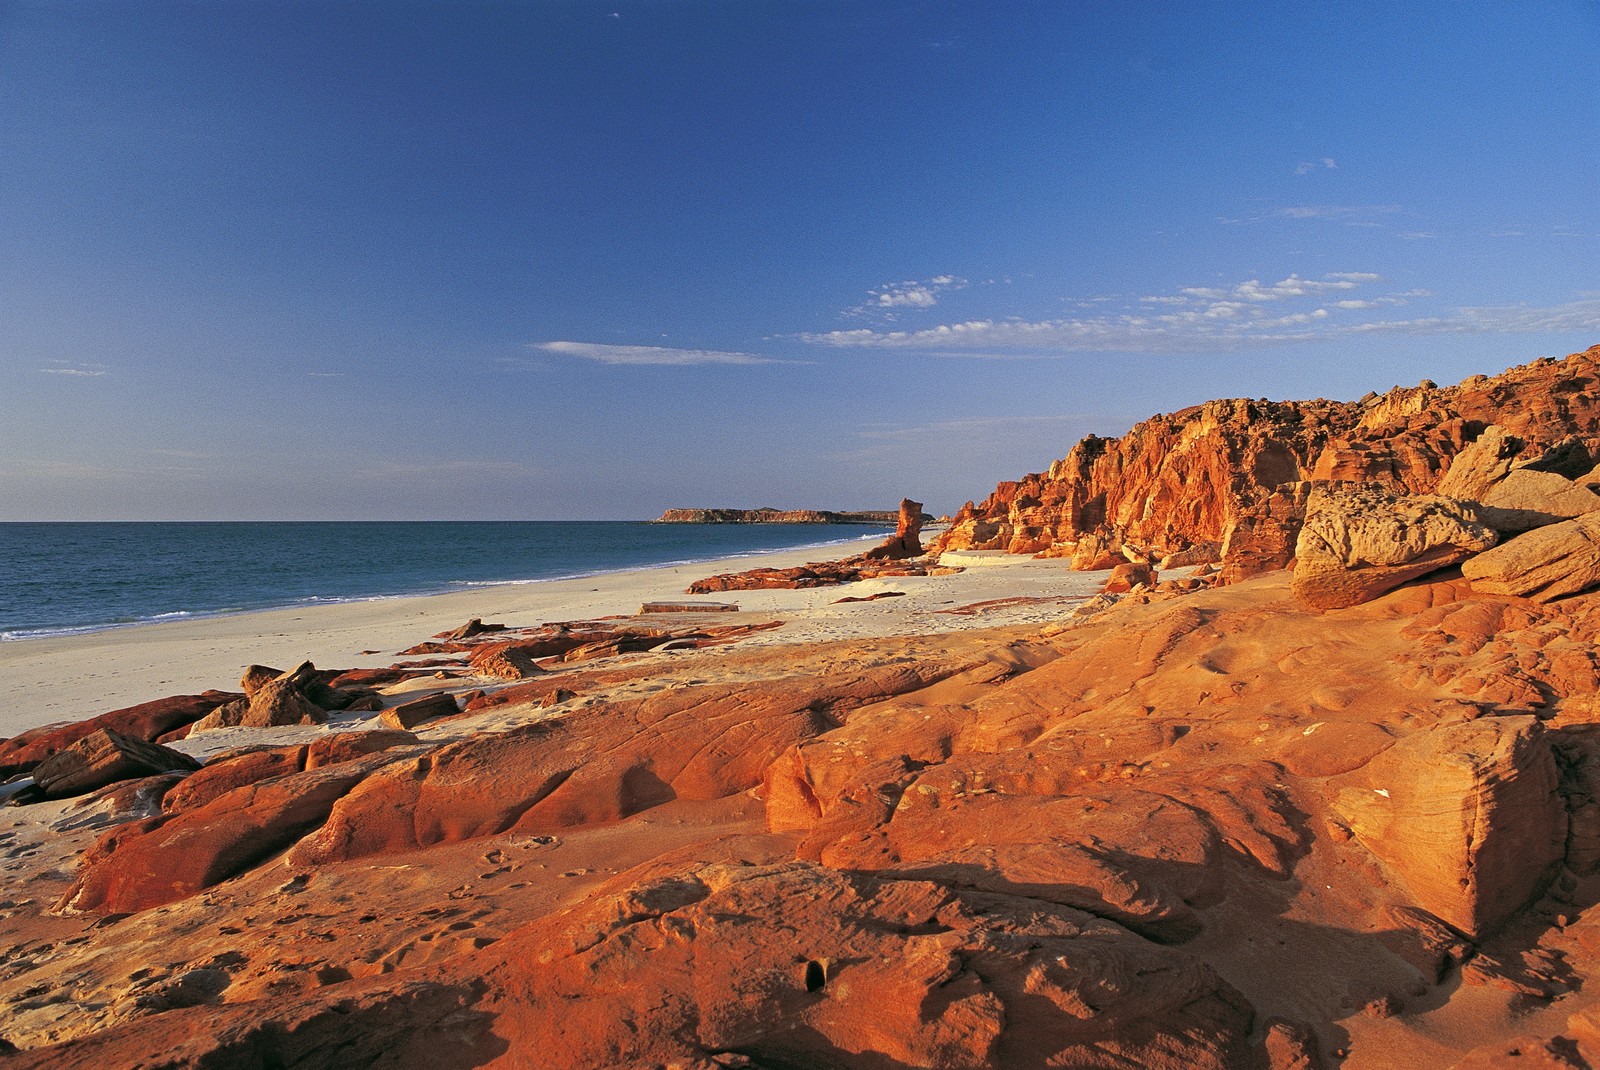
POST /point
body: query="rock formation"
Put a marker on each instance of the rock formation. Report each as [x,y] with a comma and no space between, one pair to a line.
[906,542]
[1181,826]
[105,757]
[780,516]
[1181,480]
[1357,543]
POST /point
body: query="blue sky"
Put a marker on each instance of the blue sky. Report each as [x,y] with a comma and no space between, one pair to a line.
[569,260]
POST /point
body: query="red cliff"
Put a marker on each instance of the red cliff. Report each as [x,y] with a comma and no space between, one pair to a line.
[1176,483]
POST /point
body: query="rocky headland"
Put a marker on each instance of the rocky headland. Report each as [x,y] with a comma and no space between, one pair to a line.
[877,518]
[1313,783]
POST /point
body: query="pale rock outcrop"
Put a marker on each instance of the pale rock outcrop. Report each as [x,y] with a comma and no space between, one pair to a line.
[1547,563]
[1519,492]
[1358,543]
[1527,499]
[1481,464]
[1466,815]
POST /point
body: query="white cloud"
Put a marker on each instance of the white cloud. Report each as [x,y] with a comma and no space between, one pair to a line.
[1305,168]
[1255,290]
[1355,215]
[910,294]
[74,368]
[656,355]
[1216,319]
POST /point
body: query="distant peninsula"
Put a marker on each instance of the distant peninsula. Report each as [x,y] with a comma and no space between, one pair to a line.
[884,517]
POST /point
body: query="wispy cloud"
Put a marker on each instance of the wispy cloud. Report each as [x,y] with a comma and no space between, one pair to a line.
[1349,215]
[653,355]
[1216,319]
[1305,167]
[73,368]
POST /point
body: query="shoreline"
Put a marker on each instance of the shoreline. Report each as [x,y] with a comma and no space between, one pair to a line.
[73,677]
[841,544]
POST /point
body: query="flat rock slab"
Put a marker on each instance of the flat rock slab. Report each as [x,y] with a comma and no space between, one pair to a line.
[408,715]
[688,607]
[102,758]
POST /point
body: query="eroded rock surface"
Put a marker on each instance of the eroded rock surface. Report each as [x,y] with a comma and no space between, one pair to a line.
[1358,543]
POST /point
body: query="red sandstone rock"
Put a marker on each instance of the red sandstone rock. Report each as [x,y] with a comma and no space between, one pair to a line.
[508,662]
[1182,479]
[409,715]
[104,757]
[281,700]
[148,863]
[906,541]
[348,746]
[817,968]
[1128,575]
[146,721]
[473,627]
[1261,537]
[226,772]
[598,763]
[1467,815]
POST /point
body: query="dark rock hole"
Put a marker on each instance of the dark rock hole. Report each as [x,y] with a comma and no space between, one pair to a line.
[816,976]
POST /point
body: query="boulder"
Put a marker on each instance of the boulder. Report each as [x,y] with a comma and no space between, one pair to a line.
[1205,553]
[1466,815]
[1360,542]
[1481,464]
[1527,498]
[408,715]
[256,677]
[1128,575]
[1096,552]
[280,700]
[506,662]
[1544,564]
[146,721]
[104,757]
[1519,493]
[473,627]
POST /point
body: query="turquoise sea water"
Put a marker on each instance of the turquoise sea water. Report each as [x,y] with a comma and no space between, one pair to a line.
[64,578]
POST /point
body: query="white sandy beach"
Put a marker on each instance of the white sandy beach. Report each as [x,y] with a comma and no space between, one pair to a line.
[73,677]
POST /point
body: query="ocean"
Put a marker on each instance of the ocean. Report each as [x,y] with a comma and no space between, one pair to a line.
[64,578]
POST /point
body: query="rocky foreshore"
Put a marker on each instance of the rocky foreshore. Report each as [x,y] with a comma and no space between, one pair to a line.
[1334,802]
